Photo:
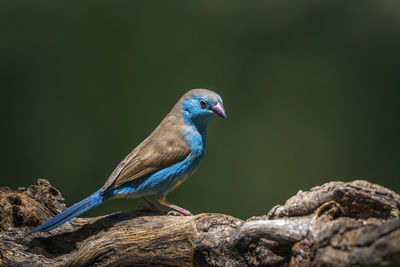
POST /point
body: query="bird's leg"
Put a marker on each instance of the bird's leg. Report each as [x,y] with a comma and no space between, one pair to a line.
[152,205]
[180,211]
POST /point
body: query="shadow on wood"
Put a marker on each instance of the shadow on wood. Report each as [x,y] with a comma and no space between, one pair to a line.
[336,224]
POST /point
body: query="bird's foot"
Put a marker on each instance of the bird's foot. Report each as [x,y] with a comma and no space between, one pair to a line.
[174,213]
[177,210]
[177,213]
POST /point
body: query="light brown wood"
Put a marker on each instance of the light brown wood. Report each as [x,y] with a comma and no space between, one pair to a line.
[336,224]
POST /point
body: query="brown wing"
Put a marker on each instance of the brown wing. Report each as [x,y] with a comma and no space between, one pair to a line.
[163,148]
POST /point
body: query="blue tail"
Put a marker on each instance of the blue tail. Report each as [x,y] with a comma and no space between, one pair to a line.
[75,210]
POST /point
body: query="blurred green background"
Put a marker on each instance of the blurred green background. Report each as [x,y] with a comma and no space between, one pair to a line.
[311,89]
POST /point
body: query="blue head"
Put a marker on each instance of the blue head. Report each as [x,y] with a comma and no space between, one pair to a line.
[199,106]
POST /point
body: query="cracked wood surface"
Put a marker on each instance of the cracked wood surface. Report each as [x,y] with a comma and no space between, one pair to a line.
[336,224]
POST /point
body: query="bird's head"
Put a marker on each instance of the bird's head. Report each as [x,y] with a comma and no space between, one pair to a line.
[201,105]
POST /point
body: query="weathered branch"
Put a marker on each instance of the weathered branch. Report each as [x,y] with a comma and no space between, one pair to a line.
[336,224]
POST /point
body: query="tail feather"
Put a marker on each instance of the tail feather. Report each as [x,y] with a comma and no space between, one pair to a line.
[75,210]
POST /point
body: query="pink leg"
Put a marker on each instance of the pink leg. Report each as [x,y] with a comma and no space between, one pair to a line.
[152,205]
[181,211]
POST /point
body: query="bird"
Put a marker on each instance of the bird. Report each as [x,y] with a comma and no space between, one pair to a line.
[159,164]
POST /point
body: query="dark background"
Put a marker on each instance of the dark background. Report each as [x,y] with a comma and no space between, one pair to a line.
[311,91]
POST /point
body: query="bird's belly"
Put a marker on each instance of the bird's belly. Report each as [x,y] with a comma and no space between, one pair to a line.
[162,181]
[178,182]
[175,184]
[143,186]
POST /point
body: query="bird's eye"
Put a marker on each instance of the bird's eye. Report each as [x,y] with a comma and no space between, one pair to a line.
[203,104]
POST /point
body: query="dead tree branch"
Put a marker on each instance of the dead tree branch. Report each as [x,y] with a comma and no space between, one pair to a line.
[336,224]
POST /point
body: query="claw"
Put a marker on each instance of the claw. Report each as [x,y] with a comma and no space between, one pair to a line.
[182,212]
[174,213]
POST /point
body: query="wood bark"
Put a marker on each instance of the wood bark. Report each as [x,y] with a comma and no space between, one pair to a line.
[336,224]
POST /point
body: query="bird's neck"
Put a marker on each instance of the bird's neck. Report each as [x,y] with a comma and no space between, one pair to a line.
[195,137]
[201,126]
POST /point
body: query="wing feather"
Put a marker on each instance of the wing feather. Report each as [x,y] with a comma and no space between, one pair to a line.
[163,148]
